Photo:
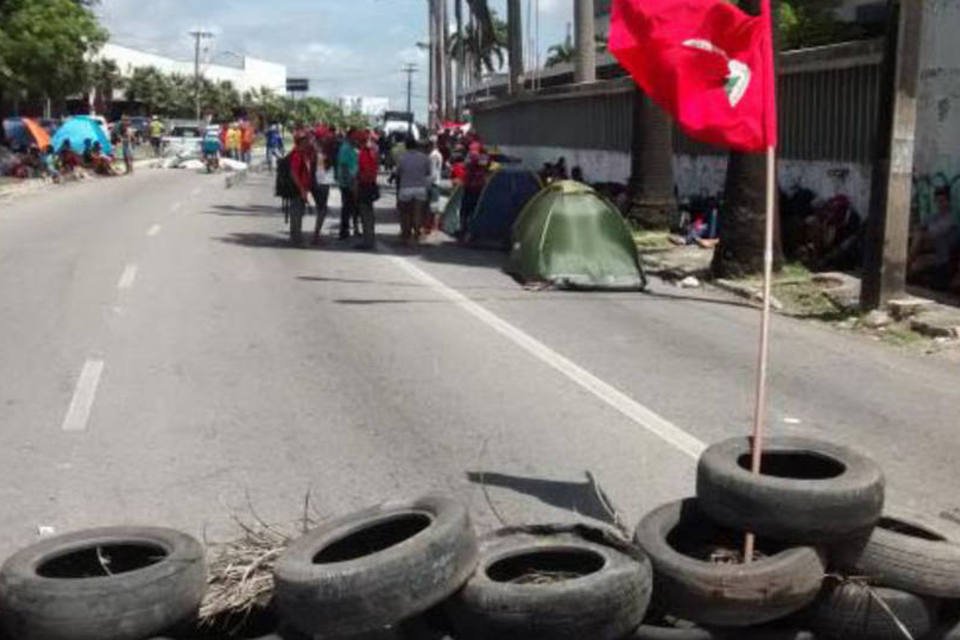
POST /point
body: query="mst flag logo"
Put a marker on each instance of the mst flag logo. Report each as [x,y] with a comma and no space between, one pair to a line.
[706,62]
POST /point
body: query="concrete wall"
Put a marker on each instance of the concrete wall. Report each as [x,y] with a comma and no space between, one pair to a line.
[938,118]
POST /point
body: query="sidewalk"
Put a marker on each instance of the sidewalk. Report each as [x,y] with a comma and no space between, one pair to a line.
[926,313]
[23,187]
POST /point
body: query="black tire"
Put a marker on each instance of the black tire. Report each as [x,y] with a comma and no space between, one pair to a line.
[776,584]
[649,632]
[909,552]
[848,611]
[810,491]
[376,567]
[46,594]
[602,596]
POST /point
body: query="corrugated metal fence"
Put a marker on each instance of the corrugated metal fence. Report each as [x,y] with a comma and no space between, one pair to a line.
[828,97]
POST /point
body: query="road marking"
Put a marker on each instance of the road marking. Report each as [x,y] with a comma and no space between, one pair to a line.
[128,276]
[629,407]
[154,230]
[175,207]
[82,403]
[196,191]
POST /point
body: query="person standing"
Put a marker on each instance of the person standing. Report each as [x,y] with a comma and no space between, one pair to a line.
[274,146]
[126,144]
[233,141]
[368,192]
[323,179]
[436,174]
[247,134]
[300,174]
[413,181]
[474,181]
[348,166]
[156,135]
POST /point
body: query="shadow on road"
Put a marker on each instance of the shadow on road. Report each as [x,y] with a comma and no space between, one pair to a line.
[583,498]
[254,210]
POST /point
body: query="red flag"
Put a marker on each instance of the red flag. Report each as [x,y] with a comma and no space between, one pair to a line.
[706,62]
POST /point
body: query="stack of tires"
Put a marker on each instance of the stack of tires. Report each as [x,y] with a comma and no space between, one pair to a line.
[830,563]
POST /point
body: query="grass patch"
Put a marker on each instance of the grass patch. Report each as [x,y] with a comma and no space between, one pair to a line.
[653,240]
[901,336]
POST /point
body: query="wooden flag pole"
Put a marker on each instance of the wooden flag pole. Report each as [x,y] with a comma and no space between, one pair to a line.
[760,407]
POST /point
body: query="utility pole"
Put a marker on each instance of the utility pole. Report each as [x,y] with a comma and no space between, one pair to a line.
[410,69]
[515,44]
[461,57]
[888,224]
[445,58]
[198,35]
[433,83]
[586,55]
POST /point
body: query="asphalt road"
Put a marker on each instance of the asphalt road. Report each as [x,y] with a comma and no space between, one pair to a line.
[166,358]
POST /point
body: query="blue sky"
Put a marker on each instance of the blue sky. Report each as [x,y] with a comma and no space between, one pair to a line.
[346,47]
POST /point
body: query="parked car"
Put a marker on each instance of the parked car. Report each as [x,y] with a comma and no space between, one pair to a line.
[184,136]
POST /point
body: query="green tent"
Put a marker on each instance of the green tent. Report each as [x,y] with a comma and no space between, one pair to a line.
[571,237]
[451,213]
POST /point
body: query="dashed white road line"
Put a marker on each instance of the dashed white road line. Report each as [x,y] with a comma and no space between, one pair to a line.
[175,207]
[154,230]
[127,277]
[627,406]
[196,191]
[78,414]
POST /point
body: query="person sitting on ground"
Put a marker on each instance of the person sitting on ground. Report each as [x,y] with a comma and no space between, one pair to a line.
[102,163]
[49,160]
[31,163]
[70,163]
[932,259]
[87,155]
[577,174]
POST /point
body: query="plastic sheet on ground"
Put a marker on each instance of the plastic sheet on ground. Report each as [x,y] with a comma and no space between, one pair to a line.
[233,165]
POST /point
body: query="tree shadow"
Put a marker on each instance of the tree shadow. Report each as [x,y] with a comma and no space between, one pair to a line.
[583,498]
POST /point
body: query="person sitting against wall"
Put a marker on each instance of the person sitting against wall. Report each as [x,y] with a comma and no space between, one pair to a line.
[71,165]
[935,248]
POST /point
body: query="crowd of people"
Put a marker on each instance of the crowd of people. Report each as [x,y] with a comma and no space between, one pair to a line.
[351,160]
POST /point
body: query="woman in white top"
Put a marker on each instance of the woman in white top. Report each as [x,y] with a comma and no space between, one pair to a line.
[432,222]
[323,179]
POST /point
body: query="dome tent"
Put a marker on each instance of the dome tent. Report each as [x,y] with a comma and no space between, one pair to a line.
[573,238]
[507,191]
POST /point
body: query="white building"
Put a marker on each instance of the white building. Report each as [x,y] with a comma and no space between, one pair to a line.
[370,106]
[249,73]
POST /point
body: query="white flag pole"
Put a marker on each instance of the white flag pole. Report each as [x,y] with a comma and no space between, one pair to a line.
[760,406]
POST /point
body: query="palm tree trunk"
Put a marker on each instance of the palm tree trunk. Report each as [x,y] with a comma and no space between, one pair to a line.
[653,204]
[461,57]
[740,251]
[515,44]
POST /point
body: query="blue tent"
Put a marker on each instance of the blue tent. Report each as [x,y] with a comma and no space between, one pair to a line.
[507,192]
[78,129]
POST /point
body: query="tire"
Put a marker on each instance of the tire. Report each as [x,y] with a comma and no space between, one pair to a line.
[604,595]
[710,593]
[376,567]
[40,602]
[847,611]
[647,632]
[810,492]
[909,552]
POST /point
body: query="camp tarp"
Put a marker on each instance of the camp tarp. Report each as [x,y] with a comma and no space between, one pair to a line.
[572,238]
[503,198]
[78,129]
[451,212]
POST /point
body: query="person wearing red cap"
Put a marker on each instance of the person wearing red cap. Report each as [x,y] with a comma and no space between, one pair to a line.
[367,189]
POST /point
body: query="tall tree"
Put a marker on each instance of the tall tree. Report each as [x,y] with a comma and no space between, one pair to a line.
[481,54]
[105,78]
[740,251]
[45,45]
[653,204]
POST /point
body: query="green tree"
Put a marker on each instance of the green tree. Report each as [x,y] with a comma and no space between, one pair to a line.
[481,51]
[45,46]
[105,78]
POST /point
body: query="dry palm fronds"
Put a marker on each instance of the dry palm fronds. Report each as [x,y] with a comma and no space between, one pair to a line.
[241,570]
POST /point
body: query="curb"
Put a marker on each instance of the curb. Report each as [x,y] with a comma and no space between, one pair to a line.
[753,294]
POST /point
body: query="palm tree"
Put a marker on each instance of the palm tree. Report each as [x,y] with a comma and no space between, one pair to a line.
[562,53]
[653,204]
[481,53]
[740,251]
[104,77]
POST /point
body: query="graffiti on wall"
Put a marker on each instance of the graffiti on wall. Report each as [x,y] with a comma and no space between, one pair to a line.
[924,188]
